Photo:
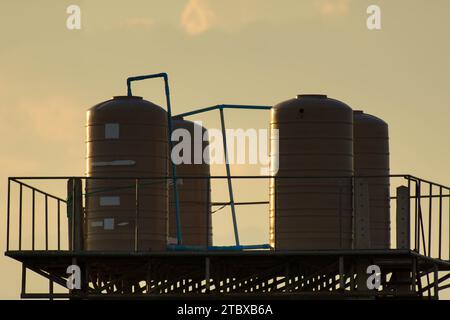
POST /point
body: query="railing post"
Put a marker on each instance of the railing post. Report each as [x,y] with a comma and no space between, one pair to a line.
[46,222]
[58,203]
[8,214]
[75,214]
[20,217]
[416,219]
[422,228]
[24,280]
[33,222]
[430,206]
[340,229]
[440,222]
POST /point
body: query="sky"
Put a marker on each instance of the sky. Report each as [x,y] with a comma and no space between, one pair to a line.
[215,51]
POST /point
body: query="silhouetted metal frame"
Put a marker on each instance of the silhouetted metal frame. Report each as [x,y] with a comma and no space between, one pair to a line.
[221,107]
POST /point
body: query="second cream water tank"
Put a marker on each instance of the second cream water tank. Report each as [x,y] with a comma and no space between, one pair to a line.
[194,194]
[371,158]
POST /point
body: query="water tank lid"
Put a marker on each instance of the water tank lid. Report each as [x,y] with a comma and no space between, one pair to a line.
[126,97]
[312,96]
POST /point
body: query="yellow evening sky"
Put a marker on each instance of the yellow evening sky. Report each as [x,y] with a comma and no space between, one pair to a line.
[218,51]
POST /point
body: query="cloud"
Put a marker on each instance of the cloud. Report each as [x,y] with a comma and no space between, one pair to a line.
[53,118]
[138,23]
[18,164]
[197,17]
[42,134]
[332,7]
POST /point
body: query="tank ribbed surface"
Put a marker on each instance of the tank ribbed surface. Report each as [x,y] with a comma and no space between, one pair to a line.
[194,194]
[315,140]
[371,158]
[126,137]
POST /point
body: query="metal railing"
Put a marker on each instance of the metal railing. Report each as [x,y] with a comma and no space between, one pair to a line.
[35,194]
[424,242]
[430,220]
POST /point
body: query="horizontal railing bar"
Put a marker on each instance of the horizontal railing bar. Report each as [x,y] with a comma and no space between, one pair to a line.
[406,176]
[427,181]
[206,177]
[244,203]
[426,196]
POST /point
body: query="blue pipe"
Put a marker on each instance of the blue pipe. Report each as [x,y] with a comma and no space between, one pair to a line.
[218,248]
[221,107]
[230,184]
[224,106]
[170,126]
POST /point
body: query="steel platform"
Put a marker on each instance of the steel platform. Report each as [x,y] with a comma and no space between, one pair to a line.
[333,274]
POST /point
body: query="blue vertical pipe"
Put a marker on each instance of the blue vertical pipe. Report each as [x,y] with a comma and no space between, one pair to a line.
[230,186]
[170,126]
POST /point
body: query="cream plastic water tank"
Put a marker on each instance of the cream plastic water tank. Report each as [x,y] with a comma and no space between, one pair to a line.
[371,158]
[126,137]
[194,194]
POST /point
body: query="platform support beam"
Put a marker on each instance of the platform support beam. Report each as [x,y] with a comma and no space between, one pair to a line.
[403,218]
[75,213]
[362,215]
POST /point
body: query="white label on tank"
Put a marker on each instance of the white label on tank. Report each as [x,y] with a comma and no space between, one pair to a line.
[172,240]
[110,201]
[112,131]
[114,163]
[108,224]
[179,182]
[97,224]
[123,224]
